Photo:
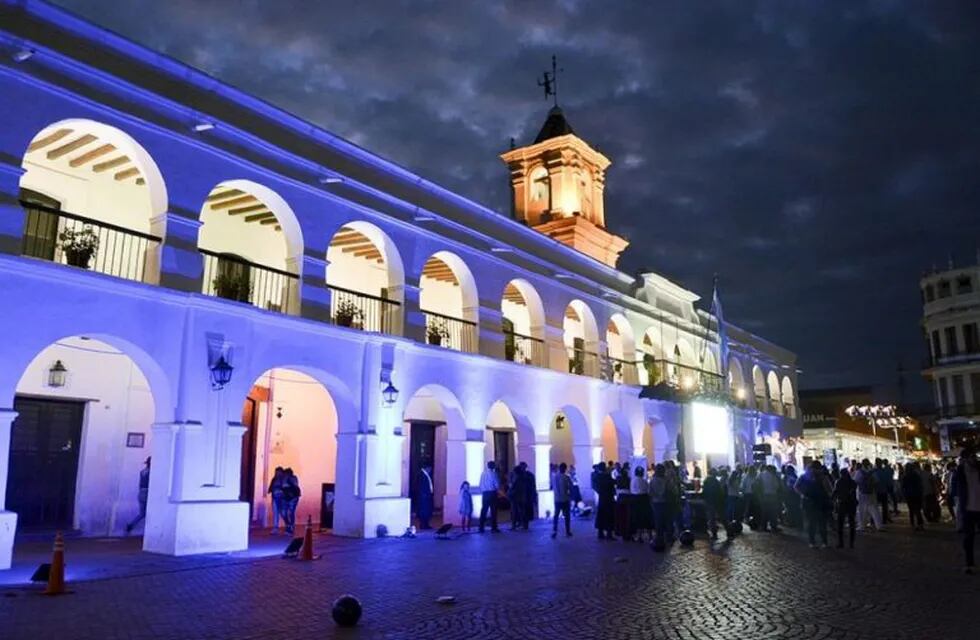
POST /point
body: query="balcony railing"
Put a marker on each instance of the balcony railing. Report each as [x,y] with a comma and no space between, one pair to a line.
[619,371]
[959,411]
[583,363]
[523,349]
[234,278]
[450,332]
[362,310]
[959,357]
[683,376]
[67,238]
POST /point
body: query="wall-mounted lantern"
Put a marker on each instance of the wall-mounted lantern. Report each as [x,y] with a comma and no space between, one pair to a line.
[389,394]
[220,373]
[57,374]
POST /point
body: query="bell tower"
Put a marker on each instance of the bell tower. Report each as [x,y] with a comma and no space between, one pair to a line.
[558,183]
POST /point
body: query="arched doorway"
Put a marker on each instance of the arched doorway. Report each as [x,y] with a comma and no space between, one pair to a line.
[523,324]
[252,247]
[93,199]
[621,348]
[449,300]
[736,382]
[775,404]
[432,420]
[581,337]
[789,404]
[759,387]
[81,440]
[291,422]
[366,278]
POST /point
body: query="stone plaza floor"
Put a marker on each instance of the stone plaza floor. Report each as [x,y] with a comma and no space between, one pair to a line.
[896,584]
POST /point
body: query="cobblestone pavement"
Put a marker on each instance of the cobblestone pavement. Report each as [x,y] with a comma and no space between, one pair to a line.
[524,585]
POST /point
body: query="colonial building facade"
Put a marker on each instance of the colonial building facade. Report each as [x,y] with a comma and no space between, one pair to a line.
[194,276]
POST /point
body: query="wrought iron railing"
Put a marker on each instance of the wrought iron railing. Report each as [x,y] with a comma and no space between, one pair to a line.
[363,311]
[524,349]
[683,376]
[450,332]
[234,278]
[620,371]
[582,362]
[68,238]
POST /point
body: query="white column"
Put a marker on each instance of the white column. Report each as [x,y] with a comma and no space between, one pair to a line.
[542,478]
[8,519]
[585,456]
[464,461]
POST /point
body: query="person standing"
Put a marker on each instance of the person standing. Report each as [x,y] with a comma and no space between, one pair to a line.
[948,492]
[658,502]
[930,494]
[141,496]
[732,506]
[867,496]
[769,485]
[563,501]
[290,496]
[713,493]
[465,507]
[517,494]
[489,485]
[883,485]
[845,499]
[605,490]
[275,492]
[912,490]
[641,518]
[816,502]
[426,492]
[531,496]
[966,492]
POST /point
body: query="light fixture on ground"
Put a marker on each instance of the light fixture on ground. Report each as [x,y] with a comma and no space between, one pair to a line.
[57,374]
[220,373]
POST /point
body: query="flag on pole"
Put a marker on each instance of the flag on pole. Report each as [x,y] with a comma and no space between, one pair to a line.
[722,334]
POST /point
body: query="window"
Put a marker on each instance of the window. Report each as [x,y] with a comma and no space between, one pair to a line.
[970,338]
[539,185]
[952,347]
[964,284]
[959,391]
[944,289]
[937,349]
[943,392]
[930,293]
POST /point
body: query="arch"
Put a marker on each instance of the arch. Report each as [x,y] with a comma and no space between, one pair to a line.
[581,338]
[291,420]
[367,277]
[539,187]
[251,241]
[685,351]
[523,323]
[788,398]
[759,386]
[653,358]
[95,491]
[434,426]
[619,338]
[112,195]
[736,379]
[709,363]
[448,297]
[772,382]
[81,146]
[575,433]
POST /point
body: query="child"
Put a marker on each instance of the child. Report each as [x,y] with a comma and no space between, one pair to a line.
[465,506]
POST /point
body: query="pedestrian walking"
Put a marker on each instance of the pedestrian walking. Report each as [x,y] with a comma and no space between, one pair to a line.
[563,501]
[883,486]
[816,502]
[845,500]
[142,495]
[489,485]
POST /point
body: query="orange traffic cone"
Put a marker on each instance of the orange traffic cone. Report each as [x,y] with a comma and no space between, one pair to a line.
[307,553]
[56,576]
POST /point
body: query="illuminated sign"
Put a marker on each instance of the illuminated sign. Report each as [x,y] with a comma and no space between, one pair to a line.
[711,430]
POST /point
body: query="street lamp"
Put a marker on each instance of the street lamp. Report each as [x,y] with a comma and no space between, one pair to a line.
[220,373]
[57,374]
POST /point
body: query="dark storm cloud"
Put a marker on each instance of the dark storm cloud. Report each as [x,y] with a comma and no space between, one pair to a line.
[818,155]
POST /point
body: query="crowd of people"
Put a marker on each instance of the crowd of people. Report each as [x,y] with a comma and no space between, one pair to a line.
[657,503]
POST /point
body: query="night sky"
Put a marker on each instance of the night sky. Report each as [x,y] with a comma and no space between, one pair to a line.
[818,155]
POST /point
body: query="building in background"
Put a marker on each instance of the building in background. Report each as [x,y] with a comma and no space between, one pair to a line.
[831,434]
[950,317]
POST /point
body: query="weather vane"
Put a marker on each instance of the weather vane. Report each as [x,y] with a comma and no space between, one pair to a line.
[549,80]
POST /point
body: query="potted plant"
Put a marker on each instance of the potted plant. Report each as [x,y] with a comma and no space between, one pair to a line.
[347,313]
[436,331]
[233,286]
[79,245]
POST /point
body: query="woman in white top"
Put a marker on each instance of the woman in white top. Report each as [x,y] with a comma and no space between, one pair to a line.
[640,510]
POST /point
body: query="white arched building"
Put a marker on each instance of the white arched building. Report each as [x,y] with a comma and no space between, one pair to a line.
[194,276]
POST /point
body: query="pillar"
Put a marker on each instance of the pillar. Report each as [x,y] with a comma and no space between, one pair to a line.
[176,263]
[412,324]
[542,478]
[192,504]
[11,212]
[313,296]
[585,456]
[490,330]
[8,519]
